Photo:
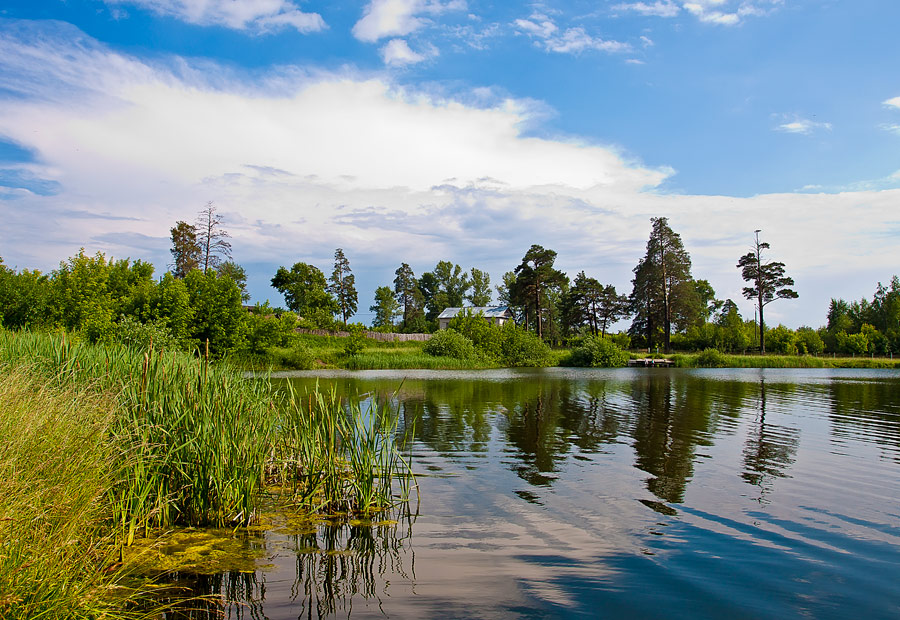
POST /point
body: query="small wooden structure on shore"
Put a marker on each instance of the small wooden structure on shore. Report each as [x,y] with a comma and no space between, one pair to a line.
[651,362]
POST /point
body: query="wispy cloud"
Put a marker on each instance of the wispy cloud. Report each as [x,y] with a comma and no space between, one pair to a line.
[802,126]
[398,18]
[397,52]
[551,38]
[261,16]
[721,12]
[665,8]
[893,103]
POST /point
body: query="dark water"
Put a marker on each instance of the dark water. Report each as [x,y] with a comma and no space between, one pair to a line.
[615,494]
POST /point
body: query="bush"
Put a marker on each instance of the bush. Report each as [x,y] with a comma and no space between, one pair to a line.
[522,348]
[710,358]
[300,357]
[136,335]
[598,352]
[450,343]
[356,341]
[487,337]
[781,340]
[809,341]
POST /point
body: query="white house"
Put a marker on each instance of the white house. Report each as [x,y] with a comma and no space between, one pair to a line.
[494,314]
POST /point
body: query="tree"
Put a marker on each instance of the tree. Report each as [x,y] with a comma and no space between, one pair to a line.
[533,276]
[185,249]
[663,291]
[342,285]
[211,238]
[405,288]
[481,288]
[386,308]
[769,283]
[590,303]
[234,271]
[304,289]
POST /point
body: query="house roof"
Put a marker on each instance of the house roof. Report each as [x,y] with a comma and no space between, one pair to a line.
[489,312]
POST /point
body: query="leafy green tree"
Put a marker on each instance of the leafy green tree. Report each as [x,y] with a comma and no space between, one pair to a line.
[480,294]
[231,269]
[782,340]
[130,287]
[185,249]
[598,352]
[706,296]
[170,305]
[305,292]
[734,336]
[385,308]
[534,275]
[342,285]
[809,341]
[81,297]
[218,317]
[211,238]
[663,292]
[24,298]
[769,283]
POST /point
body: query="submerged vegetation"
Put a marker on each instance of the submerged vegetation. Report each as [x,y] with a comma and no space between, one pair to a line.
[107,443]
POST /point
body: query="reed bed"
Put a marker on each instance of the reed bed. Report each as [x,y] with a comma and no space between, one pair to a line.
[196,444]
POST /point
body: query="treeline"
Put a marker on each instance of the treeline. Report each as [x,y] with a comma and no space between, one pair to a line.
[199,300]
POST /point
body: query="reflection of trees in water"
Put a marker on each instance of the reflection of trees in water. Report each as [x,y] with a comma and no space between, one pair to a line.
[339,563]
[335,565]
[672,417]
[867,410]
[770,449]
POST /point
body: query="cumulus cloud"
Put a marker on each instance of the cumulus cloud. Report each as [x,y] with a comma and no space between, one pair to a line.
[301,163]
[392,18]
[258,15]
[551,38]
[893,103]
[802,126]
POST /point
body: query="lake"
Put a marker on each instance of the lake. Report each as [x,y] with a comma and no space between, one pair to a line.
[638,493]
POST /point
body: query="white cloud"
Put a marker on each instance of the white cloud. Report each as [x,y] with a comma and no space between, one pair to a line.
[392,18]
[893,103]
[398,52]
[548,36]
[658,9]
[722,12]
[802,126]
[387,173]
[258,15]
[892,127]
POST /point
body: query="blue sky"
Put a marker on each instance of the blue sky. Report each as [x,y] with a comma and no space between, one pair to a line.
[421,130]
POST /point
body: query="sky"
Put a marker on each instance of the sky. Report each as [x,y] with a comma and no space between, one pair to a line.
[464,130]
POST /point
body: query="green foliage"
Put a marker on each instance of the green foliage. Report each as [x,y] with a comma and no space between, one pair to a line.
[299,357]
[521,348]
[386,309]
[486,336]
[342,286]
[219,317]
[265,330]
[133,334]
[852,343]
[781,340]
[450,343]
[711,358]
[809,341]
[355,343]
[305,292]
[598,352]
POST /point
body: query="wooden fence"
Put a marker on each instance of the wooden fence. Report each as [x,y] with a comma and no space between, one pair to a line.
[381,336]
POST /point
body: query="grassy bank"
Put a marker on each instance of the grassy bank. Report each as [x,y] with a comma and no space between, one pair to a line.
[721,360]
[153,440]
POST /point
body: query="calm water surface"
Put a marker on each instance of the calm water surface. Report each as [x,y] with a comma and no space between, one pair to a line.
[646,493]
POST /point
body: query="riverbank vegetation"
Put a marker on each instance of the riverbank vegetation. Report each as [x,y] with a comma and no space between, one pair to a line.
[103,444]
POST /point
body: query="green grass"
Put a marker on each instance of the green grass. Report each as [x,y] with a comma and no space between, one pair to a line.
[57,467]
[690,360]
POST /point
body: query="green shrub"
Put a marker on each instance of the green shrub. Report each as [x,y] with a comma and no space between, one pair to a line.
[522,348]
[356,341]
[598,352]
[141,336]
[487,337]
[710,358]
[299,357]
[450,343]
